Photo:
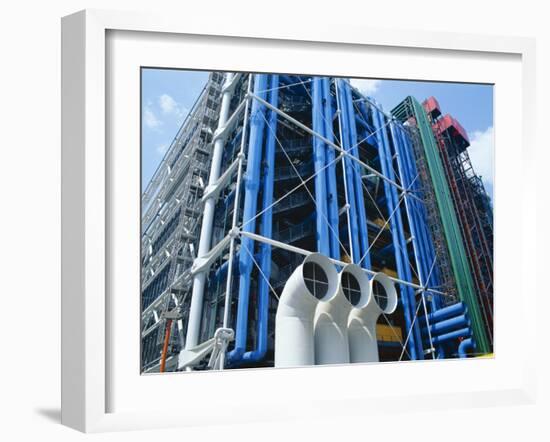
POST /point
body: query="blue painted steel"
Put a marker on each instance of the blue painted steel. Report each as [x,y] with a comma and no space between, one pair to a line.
[358,187]
[447,325]
[446,312]
[419,213]
[266,228]
[349,171]
[332,193]
[398,238]
[409,180]
[463,332]
[465,346]
[323,245]
[252,184]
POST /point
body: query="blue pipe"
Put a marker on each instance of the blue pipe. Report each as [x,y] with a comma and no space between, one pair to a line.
[408,181]
[252,184]
[398,239]
[465,346]
[323,245]
[417,212]
[463,332]
[348,167]
[221,271]
[417,222]
[332,193]
[447,325]
[446,312]
[266,229]
[435,279]
[359,199]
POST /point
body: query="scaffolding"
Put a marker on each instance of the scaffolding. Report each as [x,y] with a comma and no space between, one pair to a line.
[171,212]
[297,165]
[475,219]
[453,205]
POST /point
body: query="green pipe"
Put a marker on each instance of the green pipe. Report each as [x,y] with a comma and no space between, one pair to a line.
[453,236]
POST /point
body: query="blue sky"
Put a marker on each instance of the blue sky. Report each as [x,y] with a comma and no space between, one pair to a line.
[167,96]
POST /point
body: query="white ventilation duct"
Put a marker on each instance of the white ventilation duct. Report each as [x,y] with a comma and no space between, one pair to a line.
[314,281]
[331,317]
[363,344]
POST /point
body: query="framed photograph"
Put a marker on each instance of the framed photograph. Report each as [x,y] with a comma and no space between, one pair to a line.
[278,219]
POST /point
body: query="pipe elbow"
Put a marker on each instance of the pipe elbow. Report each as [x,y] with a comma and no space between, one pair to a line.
[465,346]
[331,317]
[381,298]
[313,281]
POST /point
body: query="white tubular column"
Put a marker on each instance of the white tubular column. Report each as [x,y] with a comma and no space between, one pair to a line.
[205,239]
[382,298]
[314,281]
[331,317]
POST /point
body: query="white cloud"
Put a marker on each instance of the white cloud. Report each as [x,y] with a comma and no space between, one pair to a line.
[169,106]
[481,152]
[150,119]
[161,149]
[366,87]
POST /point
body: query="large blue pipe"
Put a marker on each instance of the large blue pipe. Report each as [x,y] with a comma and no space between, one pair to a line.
[349,171]
[463,332]
[409,181]
[465,346]
[357,180]
[404,156]
[446,312]
[417,221]
[420,211]
[266,228]
[447,325]
[317,111]
[252,185]
[398,238]
[332,193]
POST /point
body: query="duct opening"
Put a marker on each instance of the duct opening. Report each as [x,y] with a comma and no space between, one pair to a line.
[380,294]
[351,288]
[384,293]
[316,279]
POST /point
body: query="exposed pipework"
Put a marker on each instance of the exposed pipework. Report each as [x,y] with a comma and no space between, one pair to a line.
[332,192]
[313,281]
[446,312]
[448,324]
[319,148]
[398,237]
[266,228]
[465,346]
[252,185]
[348,171]
[357,183]
[331,317]
[381,299]
[446,337]
[195,310]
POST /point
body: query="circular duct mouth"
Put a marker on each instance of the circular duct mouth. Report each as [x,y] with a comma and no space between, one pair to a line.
[320,276]
[384,293]
[355,285]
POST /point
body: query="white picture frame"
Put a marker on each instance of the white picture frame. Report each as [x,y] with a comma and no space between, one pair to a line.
[86,315]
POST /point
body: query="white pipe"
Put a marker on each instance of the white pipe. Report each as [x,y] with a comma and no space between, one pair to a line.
[313,281]
[331,317]
[363,344]
[195,310]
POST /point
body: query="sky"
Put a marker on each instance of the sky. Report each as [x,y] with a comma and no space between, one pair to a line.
[168,95]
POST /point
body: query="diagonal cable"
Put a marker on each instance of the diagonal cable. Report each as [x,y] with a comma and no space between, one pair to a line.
[305,187]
